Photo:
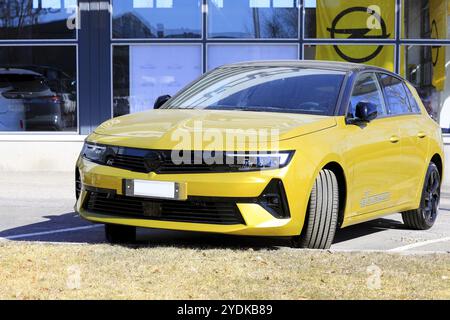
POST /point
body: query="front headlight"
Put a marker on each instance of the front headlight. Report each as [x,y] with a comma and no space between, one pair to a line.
[258,161]
[93,152]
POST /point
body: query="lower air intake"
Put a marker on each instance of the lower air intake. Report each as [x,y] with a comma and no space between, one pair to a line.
[195,211]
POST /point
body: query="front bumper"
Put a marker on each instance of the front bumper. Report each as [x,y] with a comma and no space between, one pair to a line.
[257,219]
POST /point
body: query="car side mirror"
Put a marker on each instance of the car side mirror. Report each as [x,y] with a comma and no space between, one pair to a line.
[160,101]
[366,111]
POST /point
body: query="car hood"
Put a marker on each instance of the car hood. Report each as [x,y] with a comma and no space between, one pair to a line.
[165,128]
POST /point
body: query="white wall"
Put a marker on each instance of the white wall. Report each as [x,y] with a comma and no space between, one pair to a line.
[17,155]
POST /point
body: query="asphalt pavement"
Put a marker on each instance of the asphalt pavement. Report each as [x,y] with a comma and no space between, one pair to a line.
[38,207]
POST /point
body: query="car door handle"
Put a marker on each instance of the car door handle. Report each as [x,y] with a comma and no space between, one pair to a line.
[421,135]
[394,139]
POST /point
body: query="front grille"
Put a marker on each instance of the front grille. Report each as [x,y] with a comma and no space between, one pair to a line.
[132,163]
[160,161]
[196,211]
[166,165]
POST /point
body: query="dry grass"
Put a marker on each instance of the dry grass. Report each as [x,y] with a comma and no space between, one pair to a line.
[34,271]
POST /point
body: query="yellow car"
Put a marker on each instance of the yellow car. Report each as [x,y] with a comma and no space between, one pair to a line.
[282,148]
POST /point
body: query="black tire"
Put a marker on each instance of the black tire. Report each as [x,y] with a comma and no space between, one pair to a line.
[322,217]
[424,217]
[119,234]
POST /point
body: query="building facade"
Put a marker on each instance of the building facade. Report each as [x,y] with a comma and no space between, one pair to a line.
[68,65]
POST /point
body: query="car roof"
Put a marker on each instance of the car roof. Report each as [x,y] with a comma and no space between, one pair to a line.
[313,64]
[18,72]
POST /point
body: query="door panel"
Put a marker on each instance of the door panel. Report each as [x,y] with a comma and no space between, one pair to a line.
[414,148]
[377,164]
[413,134]
[373,152]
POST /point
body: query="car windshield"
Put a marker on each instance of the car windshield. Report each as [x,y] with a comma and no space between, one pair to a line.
[269,89]
[23,82]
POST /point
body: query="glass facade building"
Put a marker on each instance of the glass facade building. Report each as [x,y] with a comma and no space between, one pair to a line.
[68,65]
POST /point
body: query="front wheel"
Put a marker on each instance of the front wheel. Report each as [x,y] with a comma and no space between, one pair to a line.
[323,210]
[424,217]
[118,234]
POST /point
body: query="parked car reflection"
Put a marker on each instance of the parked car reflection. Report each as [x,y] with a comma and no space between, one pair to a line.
[35,102]
[12,108]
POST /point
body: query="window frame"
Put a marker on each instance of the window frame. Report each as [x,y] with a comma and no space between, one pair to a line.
[77,131]
[402,29]
[151,40]
[56,40]
[253,44]
[150,44]
[379,87]
[299,5]
[398,4]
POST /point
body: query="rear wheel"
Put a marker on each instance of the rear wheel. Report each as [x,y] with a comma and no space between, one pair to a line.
[424,217]
[117,234]
[323,209]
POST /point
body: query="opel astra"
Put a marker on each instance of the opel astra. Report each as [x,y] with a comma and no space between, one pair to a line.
[278,148]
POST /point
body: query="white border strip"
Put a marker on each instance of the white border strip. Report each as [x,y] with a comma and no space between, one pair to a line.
[42,137]
[419,244]
[29,235]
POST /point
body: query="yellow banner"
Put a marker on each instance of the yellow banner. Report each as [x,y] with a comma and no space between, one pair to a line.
[356,19]
[438,21]
[383,55]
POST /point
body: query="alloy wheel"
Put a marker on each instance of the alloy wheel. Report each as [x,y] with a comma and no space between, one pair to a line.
[431,197]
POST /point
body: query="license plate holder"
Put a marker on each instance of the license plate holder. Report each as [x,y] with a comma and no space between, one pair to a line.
[151,189]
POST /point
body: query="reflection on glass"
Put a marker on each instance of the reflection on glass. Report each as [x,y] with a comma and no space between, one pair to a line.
[426,19]
[143,73]
[37,19]
[375,55]
[395,94]
[350,19]
[141,19]
[426,68]
[220,54]
[121,80]
[253,19]
[38,92]
[268,89]
[367,89]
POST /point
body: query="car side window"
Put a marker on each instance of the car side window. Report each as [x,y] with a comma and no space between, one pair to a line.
[395,93]
[412,100]
[367,89]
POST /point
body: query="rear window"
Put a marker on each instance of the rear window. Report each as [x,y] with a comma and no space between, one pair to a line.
[412,101]
[23,82]
[270,89]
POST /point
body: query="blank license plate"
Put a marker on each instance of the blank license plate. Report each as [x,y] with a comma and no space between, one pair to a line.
[152,189]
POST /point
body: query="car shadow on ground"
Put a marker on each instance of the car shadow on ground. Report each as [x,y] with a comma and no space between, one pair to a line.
[366,228]
[81,231]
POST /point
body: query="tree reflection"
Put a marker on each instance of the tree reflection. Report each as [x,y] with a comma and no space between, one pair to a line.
[20,19]
[281,23]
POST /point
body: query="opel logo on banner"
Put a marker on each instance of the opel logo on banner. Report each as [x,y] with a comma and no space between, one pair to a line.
[355,32]
[435,49]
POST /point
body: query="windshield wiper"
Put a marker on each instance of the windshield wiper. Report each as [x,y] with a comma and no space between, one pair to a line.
[245,108]
[263,108]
